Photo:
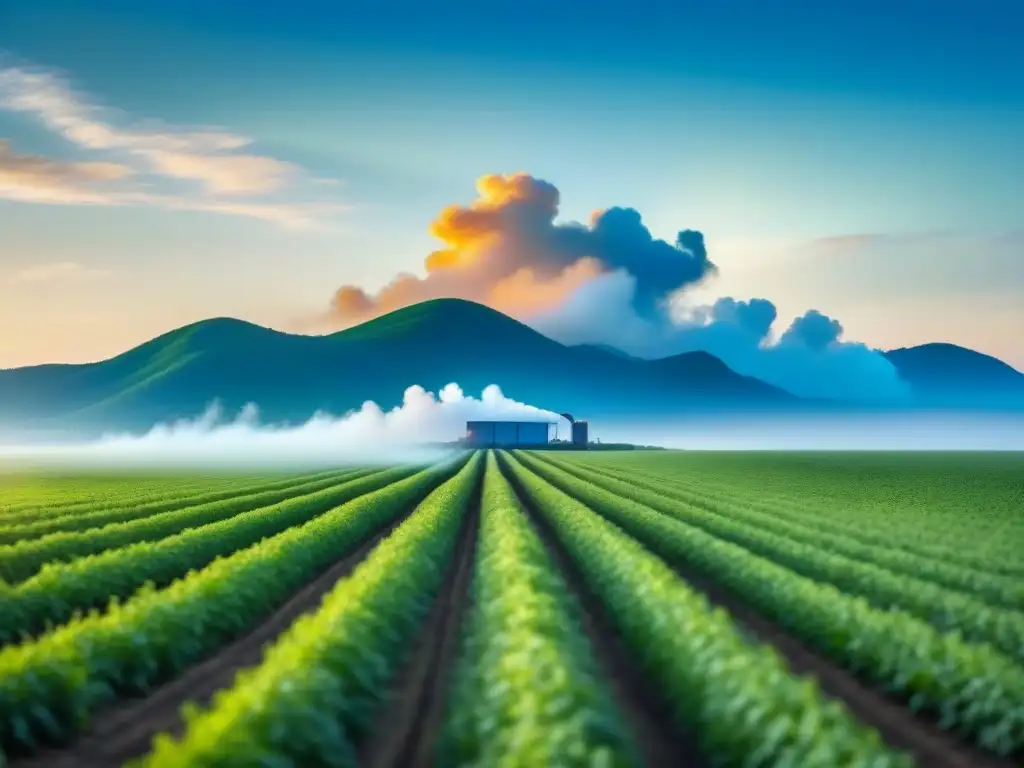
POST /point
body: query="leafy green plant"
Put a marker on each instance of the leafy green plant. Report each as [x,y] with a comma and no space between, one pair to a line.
[955,509]
[739,699]
[49,687]
[945,609]
[996,589]
[527,690]
[21,561]
[971,688]
[60,590]
[98,515]
[81,494]
[313,696]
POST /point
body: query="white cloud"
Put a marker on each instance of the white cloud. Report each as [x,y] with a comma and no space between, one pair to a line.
[366,436]
[205,157]
[31,178]
[226,174]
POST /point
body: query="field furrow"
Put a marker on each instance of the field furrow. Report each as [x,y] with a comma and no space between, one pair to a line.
[60,590]
[999,580]
[126,729]
[970,688]
[604,607]
[905,513]
[50,688]
[979,579]
[312,699]
[56,492]
[737,698]
[103,515]
[943,608]
[19,562]
[126,494]
[527,690]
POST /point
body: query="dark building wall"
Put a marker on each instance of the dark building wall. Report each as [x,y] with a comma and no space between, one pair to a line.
[580,433]
[531,433]
[506,433]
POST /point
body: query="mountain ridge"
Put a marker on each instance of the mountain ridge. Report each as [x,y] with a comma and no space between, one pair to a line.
[291,376]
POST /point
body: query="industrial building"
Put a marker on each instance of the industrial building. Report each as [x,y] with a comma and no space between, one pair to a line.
[489,434]
[580,431]
[480,434]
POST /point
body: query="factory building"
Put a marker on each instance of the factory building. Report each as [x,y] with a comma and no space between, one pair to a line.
[480,434]
[580,431]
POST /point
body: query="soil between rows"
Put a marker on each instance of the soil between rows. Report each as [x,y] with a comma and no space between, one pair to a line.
[405,731]
[899,726]
[646,710]
[125,730]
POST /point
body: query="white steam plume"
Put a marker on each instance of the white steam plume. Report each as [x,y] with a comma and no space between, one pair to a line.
[369,435]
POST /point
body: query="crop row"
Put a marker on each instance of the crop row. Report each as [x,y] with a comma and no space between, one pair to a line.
[526,690]
[314,695]
[60,589]
[902,526]
[123,494]
[997,590]
[943,608]
[50,687]
[55,492]
[923,535]
[102,515]
[738,699]
[21,561]
[971,688]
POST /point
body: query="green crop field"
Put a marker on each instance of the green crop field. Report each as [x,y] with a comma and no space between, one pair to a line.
[517,608]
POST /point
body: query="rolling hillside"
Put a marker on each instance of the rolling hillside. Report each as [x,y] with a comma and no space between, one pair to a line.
[290,377]
[178,374]
[947,373]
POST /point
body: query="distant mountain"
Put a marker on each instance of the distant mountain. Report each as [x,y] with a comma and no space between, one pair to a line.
[431,344]
[949,375]
[607,348]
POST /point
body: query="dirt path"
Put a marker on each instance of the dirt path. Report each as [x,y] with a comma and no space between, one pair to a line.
[898,725]
[646,711]
[404,734]
[126,730]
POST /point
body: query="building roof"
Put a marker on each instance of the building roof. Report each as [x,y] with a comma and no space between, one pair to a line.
[509,421]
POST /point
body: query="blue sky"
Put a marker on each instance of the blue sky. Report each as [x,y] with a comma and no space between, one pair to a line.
[861,158]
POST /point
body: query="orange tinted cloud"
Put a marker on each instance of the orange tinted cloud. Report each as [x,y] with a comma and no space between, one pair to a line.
[505,249]
[522,294]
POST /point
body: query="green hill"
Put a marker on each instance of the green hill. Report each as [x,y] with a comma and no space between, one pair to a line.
[431,344]
[943,373]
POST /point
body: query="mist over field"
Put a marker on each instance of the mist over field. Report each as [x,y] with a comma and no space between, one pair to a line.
[413,432]
[369,435]
[856,431]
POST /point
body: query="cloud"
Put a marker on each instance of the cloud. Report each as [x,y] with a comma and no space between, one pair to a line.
[812,330]
[809,358]
[31,178]
[226,175]
[366,436]
[612,282]
[206,159]
[507,250]
[59,271]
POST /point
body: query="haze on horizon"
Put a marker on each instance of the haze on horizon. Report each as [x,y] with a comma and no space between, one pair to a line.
[425,426]
[256,164]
